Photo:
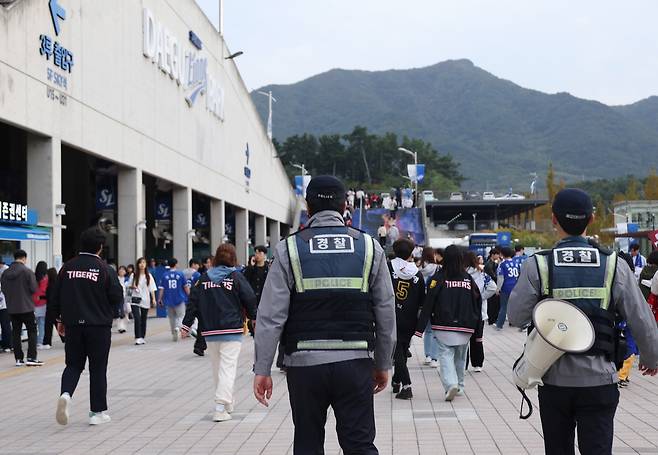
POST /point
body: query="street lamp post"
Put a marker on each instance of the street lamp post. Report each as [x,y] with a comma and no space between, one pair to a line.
[415,155]
[474,217]
[269,111]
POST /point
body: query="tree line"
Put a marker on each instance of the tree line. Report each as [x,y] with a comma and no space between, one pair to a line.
[366,160]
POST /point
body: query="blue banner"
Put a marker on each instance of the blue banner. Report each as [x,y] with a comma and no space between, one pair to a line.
[504,238]
[420,172]
[106,197]
[200,220]
[163,206]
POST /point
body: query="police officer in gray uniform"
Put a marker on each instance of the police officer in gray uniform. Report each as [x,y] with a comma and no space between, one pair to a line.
[580,390]
[328,299]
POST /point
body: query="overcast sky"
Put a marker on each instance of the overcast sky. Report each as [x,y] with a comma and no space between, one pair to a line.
[604,50]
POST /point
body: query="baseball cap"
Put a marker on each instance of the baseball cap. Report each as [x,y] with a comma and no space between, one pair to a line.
[573,204]
[325,187]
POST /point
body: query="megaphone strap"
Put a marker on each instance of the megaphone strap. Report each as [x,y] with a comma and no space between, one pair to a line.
[524,399]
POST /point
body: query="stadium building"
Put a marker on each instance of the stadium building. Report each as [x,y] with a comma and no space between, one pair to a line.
[129,115]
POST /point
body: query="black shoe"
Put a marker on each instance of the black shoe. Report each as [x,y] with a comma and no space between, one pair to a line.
[199,352]
[33,363]
[623,383]
[396,387]
[405,394]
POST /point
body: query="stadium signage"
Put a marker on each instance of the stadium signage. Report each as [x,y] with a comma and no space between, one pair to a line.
[188,67]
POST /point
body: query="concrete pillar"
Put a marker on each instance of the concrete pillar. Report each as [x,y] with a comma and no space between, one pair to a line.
[182,213]
[44,189]
[217,223]
[260,229]
[130,199]
[275,233]
[242,234]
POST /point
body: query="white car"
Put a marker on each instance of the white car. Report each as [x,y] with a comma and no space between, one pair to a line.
[488,195]
[456,196]
[428,195]
[511,196]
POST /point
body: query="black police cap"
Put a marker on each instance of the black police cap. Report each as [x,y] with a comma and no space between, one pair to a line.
[573,204]
[325,187]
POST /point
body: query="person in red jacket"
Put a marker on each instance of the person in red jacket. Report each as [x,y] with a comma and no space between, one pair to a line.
[39,299]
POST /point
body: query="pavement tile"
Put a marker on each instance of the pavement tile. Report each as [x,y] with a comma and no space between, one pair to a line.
[160,398]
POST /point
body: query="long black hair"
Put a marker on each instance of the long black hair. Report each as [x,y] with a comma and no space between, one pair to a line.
[41,270]
[136,273]
[453,265]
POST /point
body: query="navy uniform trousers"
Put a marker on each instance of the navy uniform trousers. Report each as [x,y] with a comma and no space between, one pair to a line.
[345,386]
[590,409]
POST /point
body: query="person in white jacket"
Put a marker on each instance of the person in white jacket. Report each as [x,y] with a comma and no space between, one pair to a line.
[487,288]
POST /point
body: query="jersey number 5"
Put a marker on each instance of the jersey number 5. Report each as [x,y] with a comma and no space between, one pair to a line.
[402,290]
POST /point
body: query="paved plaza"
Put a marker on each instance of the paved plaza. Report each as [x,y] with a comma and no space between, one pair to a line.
[160,398]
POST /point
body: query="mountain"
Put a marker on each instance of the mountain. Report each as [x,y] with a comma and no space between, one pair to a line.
[497,130]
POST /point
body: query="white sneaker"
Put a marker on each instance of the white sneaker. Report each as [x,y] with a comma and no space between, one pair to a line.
[98,418]
[221,416]
[39,347]
[451,393]
[427,360]
[176,334]
[62,415]
[460,392]
[229,408]
[45,347]
[477,369]
[434,364]
[140,341]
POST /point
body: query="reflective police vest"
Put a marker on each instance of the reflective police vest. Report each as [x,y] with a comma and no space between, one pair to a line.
[331,305]
[583,274]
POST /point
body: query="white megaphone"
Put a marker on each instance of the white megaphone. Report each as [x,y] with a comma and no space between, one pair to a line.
[560,328]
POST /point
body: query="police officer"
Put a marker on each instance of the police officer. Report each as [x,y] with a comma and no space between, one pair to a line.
[580,390]
[328,298]
[85,297]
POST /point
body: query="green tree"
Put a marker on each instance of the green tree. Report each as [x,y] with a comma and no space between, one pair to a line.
[651,185]
[632,192]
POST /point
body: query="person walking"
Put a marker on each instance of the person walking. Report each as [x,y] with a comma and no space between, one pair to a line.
[39,299]
[330,288]
[454,306]
[648,272]
[639,261]
[18,285]
[409,288]
[487,288]
[491,269]
[256,275]
[192,275]
[381,234]
[51,320]
[428,267]
[5,323]
[173,291]
[580,391]
[124,310]
[219,300]
[508,274]
[85,300]
[141,286]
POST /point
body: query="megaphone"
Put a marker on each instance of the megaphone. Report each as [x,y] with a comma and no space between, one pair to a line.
[560,327]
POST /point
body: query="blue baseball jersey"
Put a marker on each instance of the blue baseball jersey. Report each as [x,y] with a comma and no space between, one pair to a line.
[520,260]
[509,269]
[173,283]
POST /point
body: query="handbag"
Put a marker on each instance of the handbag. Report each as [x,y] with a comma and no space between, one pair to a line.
[135,299]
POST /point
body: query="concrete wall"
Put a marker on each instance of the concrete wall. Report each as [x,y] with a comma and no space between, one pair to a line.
[121,106]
